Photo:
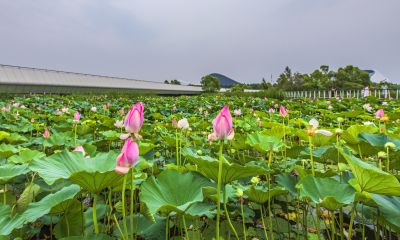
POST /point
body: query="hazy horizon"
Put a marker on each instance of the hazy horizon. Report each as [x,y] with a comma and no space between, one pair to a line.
[185,40]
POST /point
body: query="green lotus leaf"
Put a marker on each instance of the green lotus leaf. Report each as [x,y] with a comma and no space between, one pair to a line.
[375,140]
[208,167]
[71,223]
[327,192]
[288,182]
[35,210]
[92,174]
[16,138]
[100,236]
[389,207]
[27,196]
[3,135]
[172,191]
[350,135]
[25,156]
[260,194]
[318,140]
[7,150]
[371,179]
[264,143]
[57,139]
[144,228]
[275,132]
[9,171]
[145,147]
[111,135]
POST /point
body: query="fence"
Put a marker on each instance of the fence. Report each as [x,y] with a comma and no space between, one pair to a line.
[356,94]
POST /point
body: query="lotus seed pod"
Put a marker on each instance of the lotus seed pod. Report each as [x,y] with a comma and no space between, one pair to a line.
[199,152]
[340,119]
[255,180]
[158,154]
[338,131]
[239,192]
[381,155]
[390,145]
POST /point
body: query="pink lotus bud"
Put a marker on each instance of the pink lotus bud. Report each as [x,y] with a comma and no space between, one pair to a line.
[77,117]
[134,119]
[380,113]
[80,149]
[223,126]
[282,111]
[122,112]
[46,133]
[128,157]
[104,106]
[174,123]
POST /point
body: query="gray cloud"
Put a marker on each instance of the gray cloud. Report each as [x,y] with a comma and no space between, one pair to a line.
[186,39]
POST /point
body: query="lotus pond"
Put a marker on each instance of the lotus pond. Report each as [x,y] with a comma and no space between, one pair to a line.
[198,167]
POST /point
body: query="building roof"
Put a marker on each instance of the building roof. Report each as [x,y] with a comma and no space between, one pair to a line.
[26,76]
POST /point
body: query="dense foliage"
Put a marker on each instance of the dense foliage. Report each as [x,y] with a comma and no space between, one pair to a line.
[210,84]
[295,169]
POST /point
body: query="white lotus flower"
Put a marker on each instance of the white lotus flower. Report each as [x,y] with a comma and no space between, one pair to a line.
[314,125]
[119,124]
[368,123]
[93,109]
[183,123]
[237,112]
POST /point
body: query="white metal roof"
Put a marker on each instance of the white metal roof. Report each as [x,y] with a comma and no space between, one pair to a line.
[15,75]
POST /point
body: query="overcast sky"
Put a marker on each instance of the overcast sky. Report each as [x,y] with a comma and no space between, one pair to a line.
[186,39]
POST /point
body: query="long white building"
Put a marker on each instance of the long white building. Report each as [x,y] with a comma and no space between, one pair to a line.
[15,79]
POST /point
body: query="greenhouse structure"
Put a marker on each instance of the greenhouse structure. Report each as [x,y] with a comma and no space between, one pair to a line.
[15,79]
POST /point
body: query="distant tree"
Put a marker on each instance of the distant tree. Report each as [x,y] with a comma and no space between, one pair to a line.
[265,85]
[210,83]
[238,88]
[166,82]
[285,80]
[351,77]
[175,82]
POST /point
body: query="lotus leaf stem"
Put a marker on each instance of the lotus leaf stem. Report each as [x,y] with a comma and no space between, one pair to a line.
[177,147]
[353,213]
[243,219]
[341,223]
[387,160]
[263,222]
[311,155]
[227,214]
[118,227]
[5,194]
[184,226]
[96,226]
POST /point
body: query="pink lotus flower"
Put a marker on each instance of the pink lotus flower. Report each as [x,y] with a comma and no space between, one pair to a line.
[282,111]
[46,133]
[128,157]
[77,117]
[271,110]
[380,113]
[134,119]
[223,126]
